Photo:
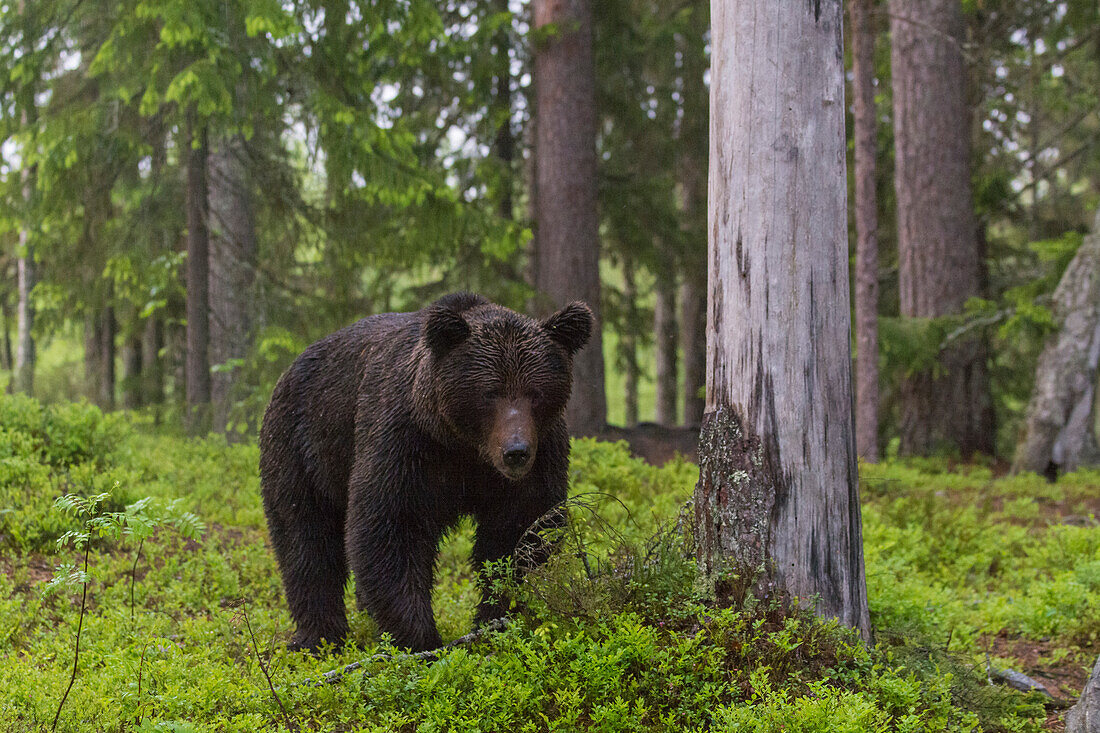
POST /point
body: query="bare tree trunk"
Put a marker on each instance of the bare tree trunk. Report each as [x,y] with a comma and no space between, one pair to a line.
[665,346]
[567,247]
[99,356]
[866,206]
[232,269]
[628,346]
[108,329]
[1060,432]
[26,277]
[504,143]
[132,378]
[939,266]
[7,358]
[152,363]
[692,176]
[198,284]
[693,337]
[778,492]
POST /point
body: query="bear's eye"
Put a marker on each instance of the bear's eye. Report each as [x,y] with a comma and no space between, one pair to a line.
[535,395]
[494,393]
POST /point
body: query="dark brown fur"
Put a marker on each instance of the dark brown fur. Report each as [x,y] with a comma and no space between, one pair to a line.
[381,436]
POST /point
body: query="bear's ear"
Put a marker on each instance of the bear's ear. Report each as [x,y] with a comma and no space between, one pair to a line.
[444,329]
[571,326]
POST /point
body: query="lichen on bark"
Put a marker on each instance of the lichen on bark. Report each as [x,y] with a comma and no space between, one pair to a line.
[735,499]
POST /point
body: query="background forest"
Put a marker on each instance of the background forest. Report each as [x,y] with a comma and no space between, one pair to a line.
[192,191]
[341,159]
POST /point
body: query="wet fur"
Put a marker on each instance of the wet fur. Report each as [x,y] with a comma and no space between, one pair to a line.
[381,436]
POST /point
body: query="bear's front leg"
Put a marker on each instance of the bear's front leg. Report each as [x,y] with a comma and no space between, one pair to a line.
[526,537]
[391,550]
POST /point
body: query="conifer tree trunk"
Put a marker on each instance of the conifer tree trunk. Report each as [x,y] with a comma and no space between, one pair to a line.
[938,254]
[628,346]
[866,207]
[567,251]
[152,363]
[232,232]
[132,379]
[197,374]
[99,356]
[504,143]
[666,338]
[778,494]
[693,339]
[692,177]
[7,359]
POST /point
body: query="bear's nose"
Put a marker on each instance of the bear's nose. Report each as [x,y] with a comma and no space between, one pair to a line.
[516,455]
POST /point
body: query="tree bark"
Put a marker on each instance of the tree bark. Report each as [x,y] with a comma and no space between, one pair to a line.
[198,284]
[938,253]
[866,208]
[693,339]
[628,346]
[23,378]
[567,251]
[504,142]
[665,347]
[1060,432]
[152,363]
[99,356]
[692,178]
[7,358]
[26,279]
[778,493]
[232,269]
[132,379]
[26,275]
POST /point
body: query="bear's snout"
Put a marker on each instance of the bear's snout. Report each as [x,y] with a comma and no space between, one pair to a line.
[516,455]
[513,438]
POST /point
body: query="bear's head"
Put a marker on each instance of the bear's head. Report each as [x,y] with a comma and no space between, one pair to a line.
[498,380]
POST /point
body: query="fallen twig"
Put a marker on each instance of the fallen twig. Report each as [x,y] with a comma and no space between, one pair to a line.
[336,675]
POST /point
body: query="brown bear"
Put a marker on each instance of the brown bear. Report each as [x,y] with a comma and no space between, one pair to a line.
[381,436]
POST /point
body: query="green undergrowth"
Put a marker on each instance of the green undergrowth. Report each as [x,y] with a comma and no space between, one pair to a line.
[186,632]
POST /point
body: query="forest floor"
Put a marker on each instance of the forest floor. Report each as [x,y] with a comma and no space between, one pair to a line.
[184,624]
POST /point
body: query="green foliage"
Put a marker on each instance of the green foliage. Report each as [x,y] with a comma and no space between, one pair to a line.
[961,555]
[610,635]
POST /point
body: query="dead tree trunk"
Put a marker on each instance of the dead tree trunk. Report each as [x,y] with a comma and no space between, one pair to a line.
[198,284]
[866,206]
[1060,432]
[938,253]
[567,247]
[778,493]
[232,232]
